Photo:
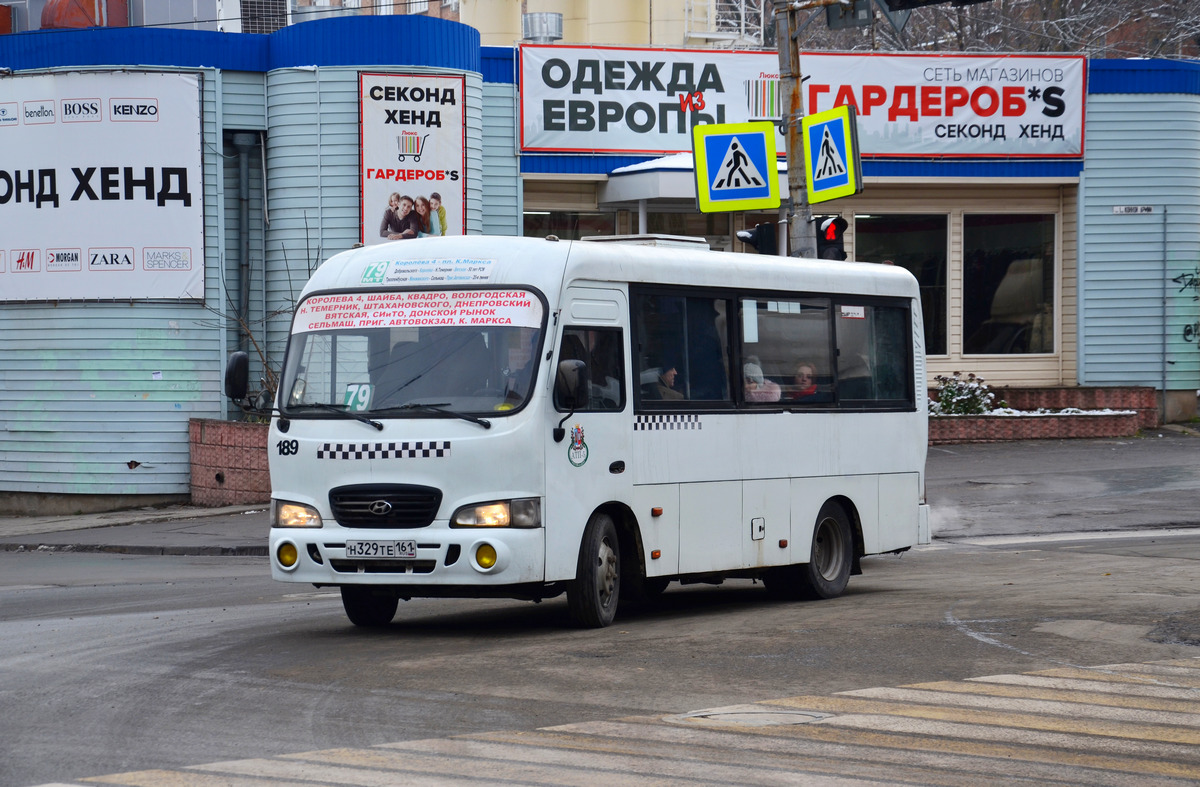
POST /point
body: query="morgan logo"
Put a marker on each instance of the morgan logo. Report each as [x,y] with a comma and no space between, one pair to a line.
[64,260]
[116,259]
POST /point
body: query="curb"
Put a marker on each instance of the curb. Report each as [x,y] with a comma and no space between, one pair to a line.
[194,551]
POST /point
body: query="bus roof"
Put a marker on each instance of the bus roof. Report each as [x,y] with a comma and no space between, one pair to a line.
[481,260]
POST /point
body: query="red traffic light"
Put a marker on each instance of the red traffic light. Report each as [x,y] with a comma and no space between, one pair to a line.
[830,240]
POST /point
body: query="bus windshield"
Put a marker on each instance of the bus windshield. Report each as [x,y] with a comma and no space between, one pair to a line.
[413,353]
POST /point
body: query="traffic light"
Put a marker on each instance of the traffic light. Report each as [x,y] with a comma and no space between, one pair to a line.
[857,14]
[762,238]
[831,238]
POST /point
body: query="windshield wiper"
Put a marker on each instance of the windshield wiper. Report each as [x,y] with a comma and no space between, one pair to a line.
[439,408]
[342,411]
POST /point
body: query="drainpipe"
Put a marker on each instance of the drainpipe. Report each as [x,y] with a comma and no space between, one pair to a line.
[642,223]
[1165,271]
[244,143]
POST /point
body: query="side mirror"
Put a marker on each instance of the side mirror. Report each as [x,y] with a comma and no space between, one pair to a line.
[570,386]
[237,376]
[570,391]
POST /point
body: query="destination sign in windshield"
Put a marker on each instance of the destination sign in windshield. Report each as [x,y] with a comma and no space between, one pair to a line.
[519,308]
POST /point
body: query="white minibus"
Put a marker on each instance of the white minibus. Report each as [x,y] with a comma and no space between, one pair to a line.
[518,417]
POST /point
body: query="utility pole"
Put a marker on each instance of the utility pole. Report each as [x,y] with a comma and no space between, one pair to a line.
[802,235]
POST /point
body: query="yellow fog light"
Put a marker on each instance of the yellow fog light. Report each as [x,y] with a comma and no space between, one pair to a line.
[287,554]
[485,555]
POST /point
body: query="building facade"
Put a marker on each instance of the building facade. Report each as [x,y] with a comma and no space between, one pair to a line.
[1078,267]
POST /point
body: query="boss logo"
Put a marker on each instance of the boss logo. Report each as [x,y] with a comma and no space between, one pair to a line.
[76,110]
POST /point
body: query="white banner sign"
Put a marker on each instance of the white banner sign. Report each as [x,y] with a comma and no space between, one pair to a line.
[101,191]
[418,309]
[591,99]
[414,159]
[1023,106]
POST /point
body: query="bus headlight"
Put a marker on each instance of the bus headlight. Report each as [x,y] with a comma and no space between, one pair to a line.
[285,514]
[526,512]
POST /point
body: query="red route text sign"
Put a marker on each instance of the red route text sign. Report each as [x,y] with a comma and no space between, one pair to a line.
[519,308]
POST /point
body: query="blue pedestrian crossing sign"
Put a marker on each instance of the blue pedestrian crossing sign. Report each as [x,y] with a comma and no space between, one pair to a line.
[831,164]
[736,166]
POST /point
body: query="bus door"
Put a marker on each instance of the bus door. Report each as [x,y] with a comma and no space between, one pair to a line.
[589,466]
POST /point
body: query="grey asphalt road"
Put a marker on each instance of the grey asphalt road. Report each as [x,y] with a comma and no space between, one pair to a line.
[1056,486]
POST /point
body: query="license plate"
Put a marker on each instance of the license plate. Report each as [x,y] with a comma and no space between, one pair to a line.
[381,549]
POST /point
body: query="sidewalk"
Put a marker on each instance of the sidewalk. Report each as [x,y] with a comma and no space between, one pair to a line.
[974,490]
[175,530]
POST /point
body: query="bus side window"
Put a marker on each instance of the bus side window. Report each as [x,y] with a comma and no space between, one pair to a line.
[602,349]
[786,343]
[874,354]
[683,352]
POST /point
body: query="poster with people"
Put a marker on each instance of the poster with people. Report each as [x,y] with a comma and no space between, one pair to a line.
[413,156]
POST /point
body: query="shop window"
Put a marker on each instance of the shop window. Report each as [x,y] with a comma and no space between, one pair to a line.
[786,354]
[568,225]
[874,358]
[682,350]
[1008,284]
[918,243]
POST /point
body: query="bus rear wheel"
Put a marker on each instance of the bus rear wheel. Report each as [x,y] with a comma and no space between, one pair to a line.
[831,558]
[367,607]
[593,595]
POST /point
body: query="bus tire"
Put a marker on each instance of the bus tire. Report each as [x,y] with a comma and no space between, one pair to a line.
[367,608]
[830,559]
[593,595]
[828,569]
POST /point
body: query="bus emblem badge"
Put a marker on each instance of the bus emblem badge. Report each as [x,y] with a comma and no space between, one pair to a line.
[577,452]
[380,508]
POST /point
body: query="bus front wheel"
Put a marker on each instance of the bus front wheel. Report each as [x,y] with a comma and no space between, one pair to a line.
[592,596]
[367,608]
[831,558]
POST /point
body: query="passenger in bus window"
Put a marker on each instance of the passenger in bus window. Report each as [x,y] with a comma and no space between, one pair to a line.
[666,382]
[804,388]
[758,388]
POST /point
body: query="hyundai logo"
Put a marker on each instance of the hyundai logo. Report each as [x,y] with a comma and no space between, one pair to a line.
[380,508]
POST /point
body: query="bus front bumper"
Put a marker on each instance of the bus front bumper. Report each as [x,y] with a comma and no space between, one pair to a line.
[481,557]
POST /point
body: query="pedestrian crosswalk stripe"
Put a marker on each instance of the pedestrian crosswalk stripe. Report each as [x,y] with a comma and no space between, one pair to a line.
[1034,721]
[1079,684]
[1154,675]
[1079,696]
[1031,705]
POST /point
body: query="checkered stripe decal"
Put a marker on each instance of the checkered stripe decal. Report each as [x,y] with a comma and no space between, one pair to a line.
[384,450]
[666,423]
